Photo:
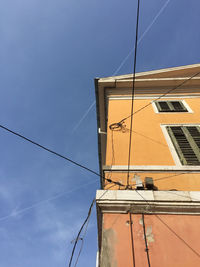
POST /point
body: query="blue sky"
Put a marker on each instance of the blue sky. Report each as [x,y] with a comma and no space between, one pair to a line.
[50,53]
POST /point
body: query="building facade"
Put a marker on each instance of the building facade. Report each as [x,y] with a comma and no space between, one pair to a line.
[148,210]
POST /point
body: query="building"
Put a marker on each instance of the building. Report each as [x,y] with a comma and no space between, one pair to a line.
[150,215]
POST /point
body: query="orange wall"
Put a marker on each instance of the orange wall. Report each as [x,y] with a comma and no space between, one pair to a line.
[149,146]
[165,248]
[162,180]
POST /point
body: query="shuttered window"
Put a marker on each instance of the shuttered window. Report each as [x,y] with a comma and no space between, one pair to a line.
[186,140]
[170,106]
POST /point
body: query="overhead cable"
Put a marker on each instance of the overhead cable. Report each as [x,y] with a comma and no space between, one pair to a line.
[169,91]
[142,36]
[59,155]
[145,240]
[133,88]
[179,237]
[132,239]
[82,227]
[124,61]
[169,228]
[78,235]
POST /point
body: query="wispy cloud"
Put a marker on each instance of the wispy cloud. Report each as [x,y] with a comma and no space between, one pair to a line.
[15,212]
[124,61]
[142,36]
[83,117]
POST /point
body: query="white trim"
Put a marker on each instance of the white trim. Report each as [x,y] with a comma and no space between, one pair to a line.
[171,146]
[148,201]
[187,106]
[152,168]
[152,97]
[167,71]
[155,108]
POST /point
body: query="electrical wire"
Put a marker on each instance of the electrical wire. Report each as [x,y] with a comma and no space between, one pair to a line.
[87,219]
[39,203]
[44,201]
[169,91]
[59,155]
[133,88]
[132,240]
[163,178]
[117,126]
[124,61]
[145,240]
[169,228]
[82,227]
[180,238]
[149,138]
[82,243]
[142,36]
[120,125]
[78,235]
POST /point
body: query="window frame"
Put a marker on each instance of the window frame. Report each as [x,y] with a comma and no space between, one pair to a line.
[183,102]
[172,147]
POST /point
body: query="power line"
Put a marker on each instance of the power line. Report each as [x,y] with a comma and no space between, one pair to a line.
[86,223]
[77,188]
[44,201]
[142,36]
[133,88]
[170,229]
[59,155]
[163,178]
[132,240]
[122,127]
[82,227]
[145,240]
[180,238]
[124,61]
[169,91]
[82,242]
[78,235]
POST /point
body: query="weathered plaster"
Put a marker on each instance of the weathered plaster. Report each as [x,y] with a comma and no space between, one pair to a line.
[107,248]
[149,234]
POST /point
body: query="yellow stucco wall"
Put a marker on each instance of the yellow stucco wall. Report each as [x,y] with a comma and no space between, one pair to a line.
[149,145]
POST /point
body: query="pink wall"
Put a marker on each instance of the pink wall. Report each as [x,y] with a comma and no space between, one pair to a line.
[165,248]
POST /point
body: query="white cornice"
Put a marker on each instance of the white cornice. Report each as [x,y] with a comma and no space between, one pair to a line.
[150,168]
[160,72]
[148,202]
[117,97]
